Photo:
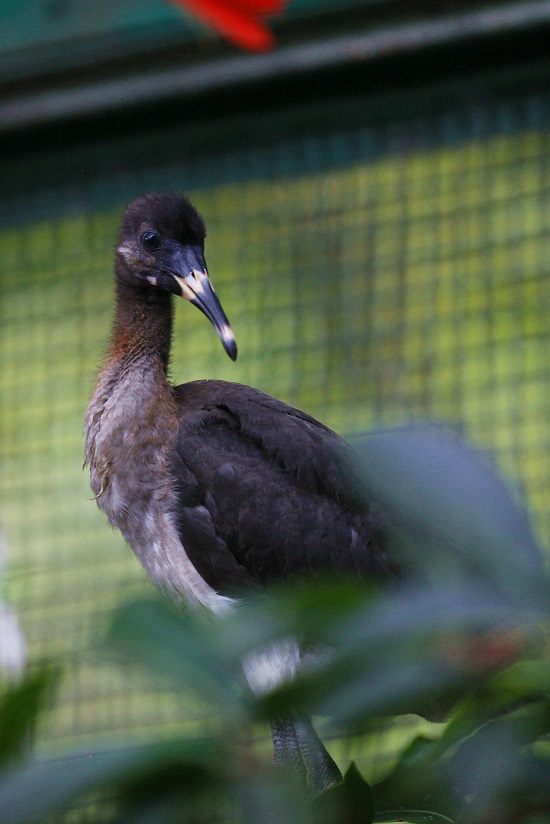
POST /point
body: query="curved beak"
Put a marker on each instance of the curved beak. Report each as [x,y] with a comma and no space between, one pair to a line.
[194,285]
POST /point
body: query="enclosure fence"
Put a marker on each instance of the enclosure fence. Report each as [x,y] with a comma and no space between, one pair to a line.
[390,270]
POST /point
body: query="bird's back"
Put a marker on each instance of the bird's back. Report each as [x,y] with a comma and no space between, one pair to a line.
[264,491]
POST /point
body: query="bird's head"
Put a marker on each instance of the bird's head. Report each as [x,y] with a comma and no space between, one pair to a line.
[161,244]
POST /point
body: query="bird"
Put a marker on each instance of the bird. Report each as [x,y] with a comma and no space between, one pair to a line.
[220,489]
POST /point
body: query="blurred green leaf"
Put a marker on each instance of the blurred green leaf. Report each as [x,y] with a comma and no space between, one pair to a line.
[179,647]
[304,609]
[436,639]
[350,802]
[450,508]
[525,679]
[388,656]
[511,695]
[20,708]
[271,797]
[44,786]
[417,782]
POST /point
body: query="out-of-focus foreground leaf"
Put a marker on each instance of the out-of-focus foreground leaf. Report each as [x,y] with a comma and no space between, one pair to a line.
[350,802]
[406,650]
[449,510]
[465,633]
[181,648]
[44,786]
[20,707]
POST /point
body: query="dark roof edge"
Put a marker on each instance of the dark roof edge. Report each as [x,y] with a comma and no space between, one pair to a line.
[50,105]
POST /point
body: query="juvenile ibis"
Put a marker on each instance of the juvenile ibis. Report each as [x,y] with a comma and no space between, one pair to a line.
[218,488]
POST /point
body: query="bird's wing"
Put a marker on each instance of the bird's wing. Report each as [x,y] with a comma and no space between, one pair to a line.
[319,460]
[264,490]
[195,517]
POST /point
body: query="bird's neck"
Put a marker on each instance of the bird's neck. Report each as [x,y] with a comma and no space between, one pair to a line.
[132,387]
[142,325]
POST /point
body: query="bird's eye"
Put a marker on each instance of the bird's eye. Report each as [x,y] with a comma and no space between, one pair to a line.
[150,241]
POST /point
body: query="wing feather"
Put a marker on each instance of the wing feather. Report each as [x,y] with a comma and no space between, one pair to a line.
[265,491]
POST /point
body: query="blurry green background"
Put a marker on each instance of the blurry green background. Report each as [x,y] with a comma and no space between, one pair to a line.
[382,258]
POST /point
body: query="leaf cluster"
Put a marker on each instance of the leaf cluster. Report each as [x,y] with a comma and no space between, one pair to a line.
[461,637]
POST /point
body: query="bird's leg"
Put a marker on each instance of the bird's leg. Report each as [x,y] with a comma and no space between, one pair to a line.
[297,745]
[321,769]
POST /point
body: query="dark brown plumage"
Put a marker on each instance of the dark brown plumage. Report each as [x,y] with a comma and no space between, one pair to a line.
[218,488]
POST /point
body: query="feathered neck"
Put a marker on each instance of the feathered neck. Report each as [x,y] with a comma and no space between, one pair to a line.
[142,323]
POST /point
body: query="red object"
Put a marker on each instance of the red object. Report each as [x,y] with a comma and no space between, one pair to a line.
[238,20]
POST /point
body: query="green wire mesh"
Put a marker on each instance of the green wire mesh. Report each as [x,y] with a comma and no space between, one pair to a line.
[374,275]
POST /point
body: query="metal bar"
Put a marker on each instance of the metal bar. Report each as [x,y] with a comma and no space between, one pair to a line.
[109,95]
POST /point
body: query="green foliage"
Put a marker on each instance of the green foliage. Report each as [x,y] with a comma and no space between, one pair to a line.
[463,635]
[20,709]
[352,800]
